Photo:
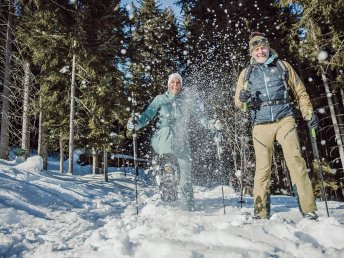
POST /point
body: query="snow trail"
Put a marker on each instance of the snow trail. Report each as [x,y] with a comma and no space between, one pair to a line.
[46,214]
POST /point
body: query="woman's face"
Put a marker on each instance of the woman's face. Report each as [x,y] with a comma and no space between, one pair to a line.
[175,86]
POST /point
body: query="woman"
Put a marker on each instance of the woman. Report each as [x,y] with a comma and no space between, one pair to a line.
[174,110]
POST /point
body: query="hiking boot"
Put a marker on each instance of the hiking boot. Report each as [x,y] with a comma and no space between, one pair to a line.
[257,217]
[311,215]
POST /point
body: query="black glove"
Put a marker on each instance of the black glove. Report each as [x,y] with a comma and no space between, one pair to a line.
[314,122]
[244,95]
[131,124]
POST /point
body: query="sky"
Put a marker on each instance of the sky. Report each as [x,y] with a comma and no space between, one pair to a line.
[162,4]
[53,215]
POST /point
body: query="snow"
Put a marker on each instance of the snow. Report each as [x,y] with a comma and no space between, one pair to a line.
[321,110]
[322,55]
[48,214]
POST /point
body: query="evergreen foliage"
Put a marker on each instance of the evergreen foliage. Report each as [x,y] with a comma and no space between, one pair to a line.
[17,60]
[99,37]
[120,51]
[154,51]
[46,42]
[48,31]
[216,39]
[318,27]
[316,37]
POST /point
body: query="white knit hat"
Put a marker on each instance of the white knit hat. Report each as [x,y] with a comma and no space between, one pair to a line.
[175,75]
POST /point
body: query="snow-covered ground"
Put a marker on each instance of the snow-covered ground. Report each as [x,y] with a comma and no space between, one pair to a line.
[48,214]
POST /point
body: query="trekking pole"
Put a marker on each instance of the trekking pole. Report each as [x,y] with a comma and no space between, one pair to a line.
[245,103]
[243,166]
[243,171]
[245,108]
[135,152]
[319,171]
[218,138]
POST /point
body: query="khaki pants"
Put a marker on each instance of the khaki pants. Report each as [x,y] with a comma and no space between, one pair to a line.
[264,135]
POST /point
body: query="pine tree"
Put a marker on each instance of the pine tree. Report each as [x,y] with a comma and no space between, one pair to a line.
[154,49]
[216,39]
[4,137]
[317,37]
[18,108]
[49,30]
[154,52]
[44,34]
[220,29]
[26,122]
[101,35]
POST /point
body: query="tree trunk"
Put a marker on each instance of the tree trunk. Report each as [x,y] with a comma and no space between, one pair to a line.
[25,128]
[329,100]
[333,116]
[243,166]
[71,118]
[234,152]
[42,148]
[338,111]
[61,143]
[95,161]
[4,135]
[342,187]
[105,165]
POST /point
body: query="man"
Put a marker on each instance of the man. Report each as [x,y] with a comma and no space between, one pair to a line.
[265,88]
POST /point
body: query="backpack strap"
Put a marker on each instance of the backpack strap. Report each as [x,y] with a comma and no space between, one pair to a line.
[285,74]
[247,74]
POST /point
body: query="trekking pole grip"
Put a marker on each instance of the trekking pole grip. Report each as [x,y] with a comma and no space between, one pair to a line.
[313,133]
[245,107]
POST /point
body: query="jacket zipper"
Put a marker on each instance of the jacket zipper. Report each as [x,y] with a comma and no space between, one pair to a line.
[174,104]
[267,92]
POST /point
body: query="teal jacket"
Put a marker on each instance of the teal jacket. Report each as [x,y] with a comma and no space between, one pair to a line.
[173,114]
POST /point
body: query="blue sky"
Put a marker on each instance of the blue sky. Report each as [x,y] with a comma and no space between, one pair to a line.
[162,4]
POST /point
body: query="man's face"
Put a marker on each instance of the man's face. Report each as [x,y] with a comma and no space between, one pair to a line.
[175,86]
[260,54]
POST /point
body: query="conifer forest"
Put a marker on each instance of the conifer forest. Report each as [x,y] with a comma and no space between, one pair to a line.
[73,71]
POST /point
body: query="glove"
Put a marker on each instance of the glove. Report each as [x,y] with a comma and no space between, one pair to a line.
[218,125]
[314,122]
[244,95]
[130,124]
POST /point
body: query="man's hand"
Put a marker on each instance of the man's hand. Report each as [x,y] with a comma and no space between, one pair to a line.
[314,122]
[244,95]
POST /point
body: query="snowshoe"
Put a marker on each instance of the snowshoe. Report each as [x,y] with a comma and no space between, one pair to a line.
[311,216]
[168,177]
